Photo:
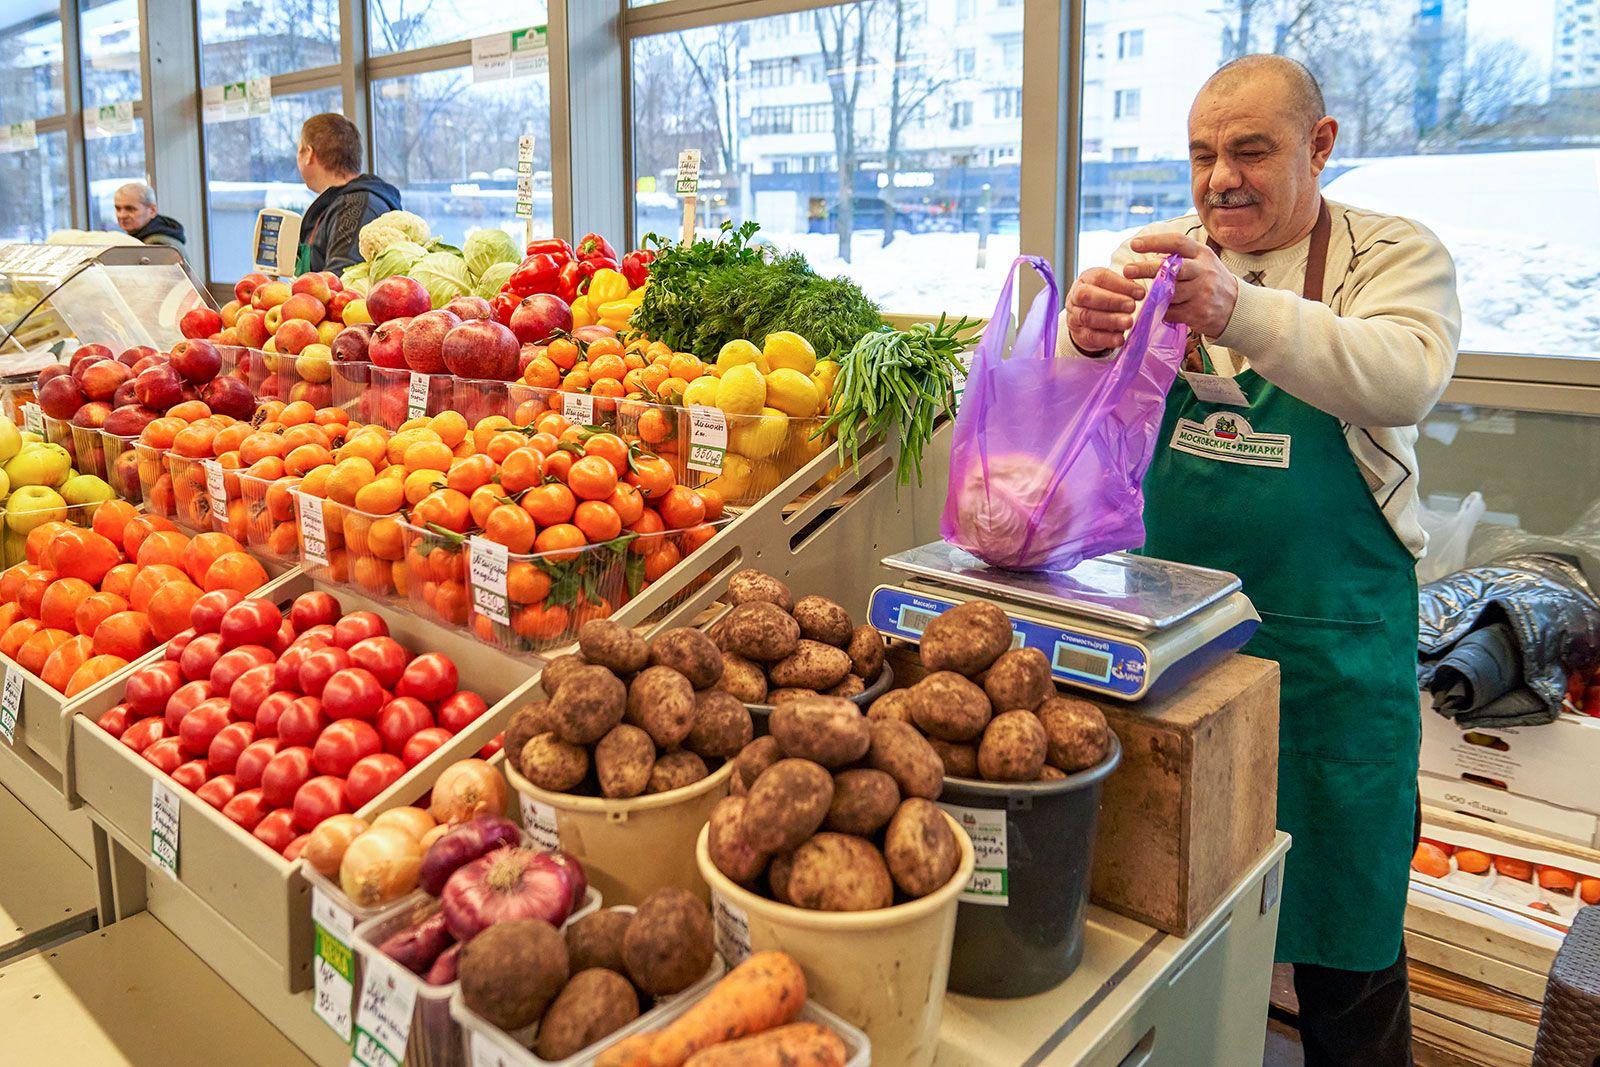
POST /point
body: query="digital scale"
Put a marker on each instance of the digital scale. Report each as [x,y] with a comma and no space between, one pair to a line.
[1117,625]
[276,242]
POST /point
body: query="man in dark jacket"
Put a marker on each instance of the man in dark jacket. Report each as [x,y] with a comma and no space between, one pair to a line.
[135,205]
[330,163]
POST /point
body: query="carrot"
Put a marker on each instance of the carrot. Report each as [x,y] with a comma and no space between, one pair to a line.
[764,991]
[630,1052]
[795,1045]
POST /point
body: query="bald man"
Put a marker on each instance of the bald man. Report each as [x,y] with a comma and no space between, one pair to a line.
[135,205]
[1320,335]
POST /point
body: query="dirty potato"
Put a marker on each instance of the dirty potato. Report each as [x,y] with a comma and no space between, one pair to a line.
[866,653]
[744,678]
[754,758]
[823,620]
[950,707]
[905,755]
[555,672]
[812,665]
[755,587]
[863,801]
[851,686]
[760,631]
[921,848]
[1077,734]
[527,722]
[553,764]
[786,805]
[839,872]
[826,730]
[623,761]
[1020,678]
[661,702]
[689,652]
[895,704]
[966,639]
[674,770]
[725,841]
[588,704]
[1013,748]
[722,725]
[612,645]
[960,760]
[788,693]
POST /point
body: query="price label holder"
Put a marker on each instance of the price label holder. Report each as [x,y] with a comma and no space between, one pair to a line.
[708,439]
[10,706]
[313,532]
[578,408]
[417,396]
[164,826]
[986,827]
[486,1053]
[333,969]
[383,1016]
[539,819]
[33,419]
[487,563]
[1216,389]
[689,189]
[732,929]
[216,489]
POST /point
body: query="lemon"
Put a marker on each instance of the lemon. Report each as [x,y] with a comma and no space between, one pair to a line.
[738,353]
[825,374]
[792,393]
[733,484]
[760,436]
[741,390]
[703,390]
[786,348]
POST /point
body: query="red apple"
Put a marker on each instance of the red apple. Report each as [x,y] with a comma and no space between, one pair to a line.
[313,285]
[539,316]
[125,395]
[397,297]
[61,397]
[197,361]
[84,352]
[133,355]
[93,414]
[244,287]
[159,388]
[54,370]
[338,302]
[200,322]
[481,348]
[229,396]
[100,379]
[304,307]
[294,335]
[334,281]
[252,328]
[129,420]
[269,295]
[423,346]
[155,359]
[80,366]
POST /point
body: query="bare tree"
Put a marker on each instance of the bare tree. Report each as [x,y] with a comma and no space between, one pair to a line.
[842,35]
[715,58]
[1492,80]
[910,86]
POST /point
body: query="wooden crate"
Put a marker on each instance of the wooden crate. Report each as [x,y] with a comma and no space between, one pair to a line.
[1194,803]
[246,883]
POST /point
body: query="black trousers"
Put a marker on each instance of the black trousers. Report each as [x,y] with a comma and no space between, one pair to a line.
[1356,1018]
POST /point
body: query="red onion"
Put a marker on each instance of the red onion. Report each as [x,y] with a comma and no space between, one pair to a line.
[507,884]
[418,946]
[463,844]
[443,971]
[577,879]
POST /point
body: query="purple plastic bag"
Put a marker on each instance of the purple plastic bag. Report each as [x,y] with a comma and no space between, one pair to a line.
[1049,454]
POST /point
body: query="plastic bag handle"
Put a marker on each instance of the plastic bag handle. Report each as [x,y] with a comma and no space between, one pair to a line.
[1040,322]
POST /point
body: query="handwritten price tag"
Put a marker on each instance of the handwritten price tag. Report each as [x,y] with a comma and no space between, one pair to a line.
[313,532]
[708,439]
[10,706]
[33,419]
[689,172]
[417,397]
[164,826]
[216,489]
[578,408]
[732,929]
[539,819]
[334,968]
[383,1020]
[990,882]
[487,563]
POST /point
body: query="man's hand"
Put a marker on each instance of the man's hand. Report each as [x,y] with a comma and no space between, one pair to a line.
[1206,292]
[1100,308]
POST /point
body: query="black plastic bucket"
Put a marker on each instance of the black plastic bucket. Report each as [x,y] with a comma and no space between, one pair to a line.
[760,713]
[1027,935]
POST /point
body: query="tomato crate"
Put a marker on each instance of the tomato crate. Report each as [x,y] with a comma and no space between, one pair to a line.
[252,887]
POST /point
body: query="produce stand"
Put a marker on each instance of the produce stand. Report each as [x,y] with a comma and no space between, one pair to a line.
[50,897]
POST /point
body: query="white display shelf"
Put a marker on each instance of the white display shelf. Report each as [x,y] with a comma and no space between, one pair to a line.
[49,893]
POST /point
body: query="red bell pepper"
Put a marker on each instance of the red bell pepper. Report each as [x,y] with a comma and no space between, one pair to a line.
[536,274]
[588,267]
[636,266]
[593,246]
[503,304]
[567,281]
[549,246]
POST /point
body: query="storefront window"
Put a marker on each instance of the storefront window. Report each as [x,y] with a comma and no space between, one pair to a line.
[401,25]
[450,146]
[30,62]
[1471,119]
[257,38]
[112,162]
[35,182]
[110,33]
[869,152]
[250,164]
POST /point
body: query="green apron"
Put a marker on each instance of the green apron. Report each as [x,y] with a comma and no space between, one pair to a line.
[1270,491]
[302,259]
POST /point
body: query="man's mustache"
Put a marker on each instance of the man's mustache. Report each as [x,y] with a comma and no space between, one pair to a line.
[1230,200]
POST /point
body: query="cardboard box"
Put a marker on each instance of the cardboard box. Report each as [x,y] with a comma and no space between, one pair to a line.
[1511,809]
[1524,897]
[1555,763]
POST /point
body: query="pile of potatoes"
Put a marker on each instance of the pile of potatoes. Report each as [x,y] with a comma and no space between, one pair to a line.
[834,811]
[776,648]
[991,711]
[591,979]
[624,716]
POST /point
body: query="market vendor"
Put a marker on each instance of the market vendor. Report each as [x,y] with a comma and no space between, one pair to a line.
[330,163]
[1320,336]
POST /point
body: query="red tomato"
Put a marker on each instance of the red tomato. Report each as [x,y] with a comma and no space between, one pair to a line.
[320,665]
[422,743]
[315,608]
[189,696]
[302,721]
[319,799]
[149,689]
[144,733]
[236,661]
[383,656]
[276,829]
[358,626]
[201,726]
[219,790]
[342,745]
[399,719]
[321,634]
[283,638]
[460,710]
[353,693]
[206,614]
[286,672]
[166,754]
[252,621]
[430,677]
[295,847]
[254,759]
[248,691]
[246,808]
[270,710]
[198,659]
[180,642]
[285,774]
[191,775]
[115,722]
[371,776]
[495,744]
[223,755]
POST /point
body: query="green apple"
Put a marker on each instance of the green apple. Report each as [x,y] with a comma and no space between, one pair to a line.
[10,440]
[39,464]
[32,506]
[86,489]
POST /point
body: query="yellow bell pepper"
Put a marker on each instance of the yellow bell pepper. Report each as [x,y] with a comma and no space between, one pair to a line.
[582,312]
[606,286]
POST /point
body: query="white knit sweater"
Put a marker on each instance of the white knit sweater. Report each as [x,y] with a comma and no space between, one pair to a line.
[1376,355]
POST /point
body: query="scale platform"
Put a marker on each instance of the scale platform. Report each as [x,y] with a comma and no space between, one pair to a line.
[1117,625]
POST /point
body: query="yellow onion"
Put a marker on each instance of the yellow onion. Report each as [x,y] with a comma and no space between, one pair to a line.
[379,866]
[325,847]
[466,789]
[413,822]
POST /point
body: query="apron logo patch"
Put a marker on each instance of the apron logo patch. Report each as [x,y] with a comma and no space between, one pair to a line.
[1227,436]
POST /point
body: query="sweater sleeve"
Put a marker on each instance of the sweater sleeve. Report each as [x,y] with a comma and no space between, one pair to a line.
[1387,359]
